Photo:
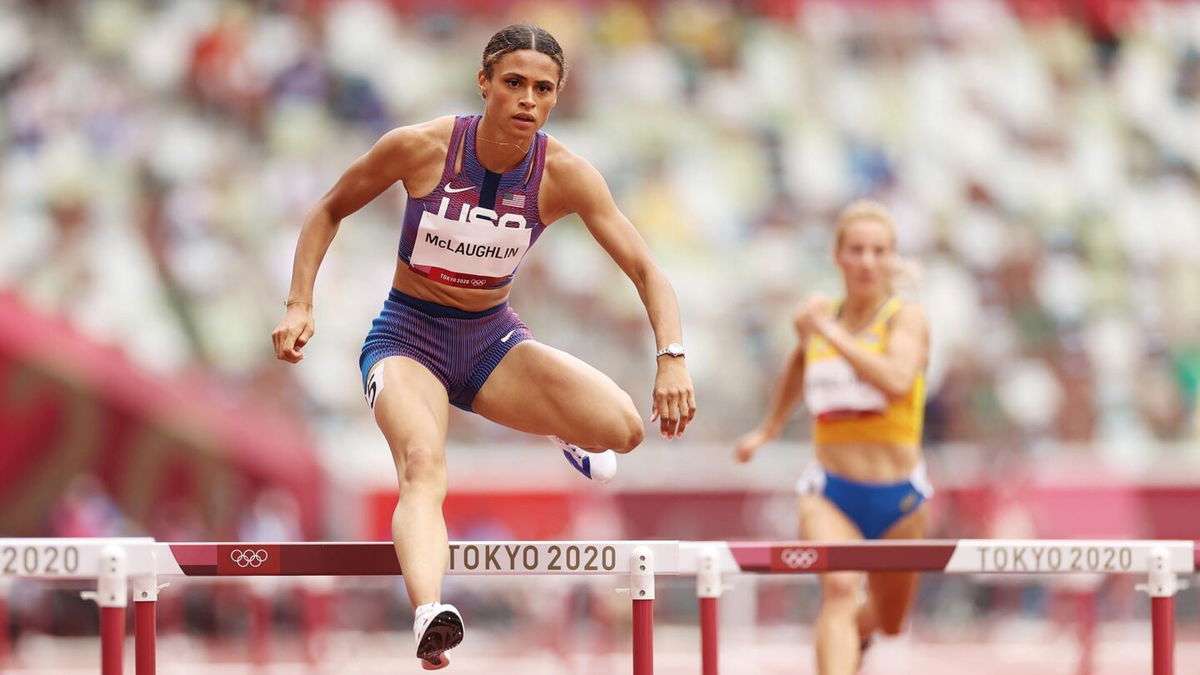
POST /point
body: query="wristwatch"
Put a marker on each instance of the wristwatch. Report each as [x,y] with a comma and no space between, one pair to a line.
[673,349]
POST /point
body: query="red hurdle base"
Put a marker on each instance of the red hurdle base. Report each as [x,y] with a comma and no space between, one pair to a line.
[708,636]
[1162,626]
[112,640]
[4,646]
[144,648]
[643,637]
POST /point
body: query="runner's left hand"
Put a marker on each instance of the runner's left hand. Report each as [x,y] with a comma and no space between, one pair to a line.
[674,399]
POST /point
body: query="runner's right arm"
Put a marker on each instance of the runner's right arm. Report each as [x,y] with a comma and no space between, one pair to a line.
[787,396]
[394,157]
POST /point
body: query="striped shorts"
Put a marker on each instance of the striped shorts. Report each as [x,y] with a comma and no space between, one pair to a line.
[460,348]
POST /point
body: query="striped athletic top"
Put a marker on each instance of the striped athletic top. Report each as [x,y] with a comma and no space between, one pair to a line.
[474,228]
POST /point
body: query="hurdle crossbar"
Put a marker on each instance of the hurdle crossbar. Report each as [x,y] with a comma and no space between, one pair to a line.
[116,562]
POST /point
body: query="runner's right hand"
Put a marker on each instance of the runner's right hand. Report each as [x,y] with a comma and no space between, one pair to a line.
[749,443]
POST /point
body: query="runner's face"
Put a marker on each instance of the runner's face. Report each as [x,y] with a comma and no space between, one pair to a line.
[522,91]
[865,257]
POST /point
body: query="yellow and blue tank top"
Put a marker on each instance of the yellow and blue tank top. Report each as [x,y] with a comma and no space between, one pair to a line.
[846,409]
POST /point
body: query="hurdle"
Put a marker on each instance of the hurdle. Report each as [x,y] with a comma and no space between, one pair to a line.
[1160,561]
[118,564]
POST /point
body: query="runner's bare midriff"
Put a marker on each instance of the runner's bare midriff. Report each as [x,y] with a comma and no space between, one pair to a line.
[467,299]
[869,462]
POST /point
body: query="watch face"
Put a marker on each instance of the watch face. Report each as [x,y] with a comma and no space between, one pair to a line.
[673,349]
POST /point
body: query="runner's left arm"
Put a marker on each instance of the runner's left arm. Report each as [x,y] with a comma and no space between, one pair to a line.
[588,194]
[893,371]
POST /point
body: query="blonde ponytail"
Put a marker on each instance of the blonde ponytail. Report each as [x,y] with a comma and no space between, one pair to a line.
[905,280]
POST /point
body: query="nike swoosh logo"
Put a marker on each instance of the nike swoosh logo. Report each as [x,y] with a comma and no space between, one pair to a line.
[452,190]
[505,338]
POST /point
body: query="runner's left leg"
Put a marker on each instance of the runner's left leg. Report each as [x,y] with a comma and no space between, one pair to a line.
[541,390]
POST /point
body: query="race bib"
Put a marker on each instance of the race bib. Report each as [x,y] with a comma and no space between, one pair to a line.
[476,246]
[831,385]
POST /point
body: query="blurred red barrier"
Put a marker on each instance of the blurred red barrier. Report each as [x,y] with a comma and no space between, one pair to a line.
[71,406]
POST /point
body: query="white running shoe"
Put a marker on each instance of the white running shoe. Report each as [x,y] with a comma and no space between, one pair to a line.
[438,628]
[598,466]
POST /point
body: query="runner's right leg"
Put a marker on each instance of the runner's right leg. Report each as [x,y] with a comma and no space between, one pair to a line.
[412,409]
[837,637]
[892,593]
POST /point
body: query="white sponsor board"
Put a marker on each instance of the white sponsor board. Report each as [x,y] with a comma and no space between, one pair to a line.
[1050,556]
[66,558]
[559,557]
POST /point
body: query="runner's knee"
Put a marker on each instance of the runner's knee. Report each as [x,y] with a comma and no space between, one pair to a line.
[840,589]
[628,430]
[422,468]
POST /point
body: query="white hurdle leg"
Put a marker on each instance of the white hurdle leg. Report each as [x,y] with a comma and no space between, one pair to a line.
[708,589]
[641,589]
[112,597]
[1162,586]
[145,602]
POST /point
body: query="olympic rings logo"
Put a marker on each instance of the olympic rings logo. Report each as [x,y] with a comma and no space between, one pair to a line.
[798,558]
[248,557]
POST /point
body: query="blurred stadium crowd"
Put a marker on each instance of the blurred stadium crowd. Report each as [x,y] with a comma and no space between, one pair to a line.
[159,157]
